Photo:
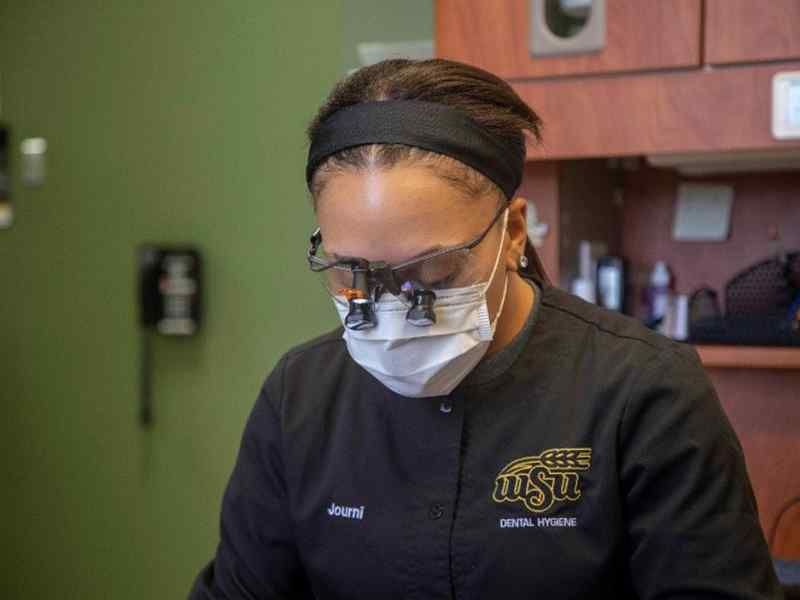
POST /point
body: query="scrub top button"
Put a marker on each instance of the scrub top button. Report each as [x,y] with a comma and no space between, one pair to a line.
[436,511]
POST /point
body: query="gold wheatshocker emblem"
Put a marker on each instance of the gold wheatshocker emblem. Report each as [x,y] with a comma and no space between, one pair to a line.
[538,481]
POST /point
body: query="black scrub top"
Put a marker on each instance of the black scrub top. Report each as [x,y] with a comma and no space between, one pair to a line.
[595,462]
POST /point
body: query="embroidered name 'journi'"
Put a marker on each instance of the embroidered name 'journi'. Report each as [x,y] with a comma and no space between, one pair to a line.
[349,512]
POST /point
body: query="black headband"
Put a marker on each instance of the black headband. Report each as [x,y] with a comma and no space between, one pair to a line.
[430,125]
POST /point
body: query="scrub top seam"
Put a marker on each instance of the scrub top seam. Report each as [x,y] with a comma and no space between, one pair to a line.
[600,327]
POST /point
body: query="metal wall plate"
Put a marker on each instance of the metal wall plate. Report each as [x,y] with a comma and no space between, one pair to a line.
[543,42]
[786,105]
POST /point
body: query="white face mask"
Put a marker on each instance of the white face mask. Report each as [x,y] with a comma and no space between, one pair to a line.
[427,361]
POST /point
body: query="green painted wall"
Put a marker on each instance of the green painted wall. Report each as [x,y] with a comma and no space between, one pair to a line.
[177,121]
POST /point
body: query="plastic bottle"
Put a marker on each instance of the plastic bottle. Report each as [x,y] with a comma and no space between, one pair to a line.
[584,285]
[659,293]
[680,321]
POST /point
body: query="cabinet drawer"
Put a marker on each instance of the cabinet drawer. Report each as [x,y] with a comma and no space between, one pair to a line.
[656,113]
[640,35]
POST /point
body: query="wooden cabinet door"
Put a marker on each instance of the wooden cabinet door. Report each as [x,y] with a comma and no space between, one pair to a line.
[640,35]
[751,30]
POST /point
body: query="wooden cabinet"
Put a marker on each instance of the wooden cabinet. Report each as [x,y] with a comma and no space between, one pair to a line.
[651,89]
[737,31]
[640,35]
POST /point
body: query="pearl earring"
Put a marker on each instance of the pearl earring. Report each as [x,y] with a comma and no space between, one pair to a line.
[523,261]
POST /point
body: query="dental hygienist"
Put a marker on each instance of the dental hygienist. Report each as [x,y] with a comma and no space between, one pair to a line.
[471,430]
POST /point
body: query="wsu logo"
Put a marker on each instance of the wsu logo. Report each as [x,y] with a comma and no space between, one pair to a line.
[539,481]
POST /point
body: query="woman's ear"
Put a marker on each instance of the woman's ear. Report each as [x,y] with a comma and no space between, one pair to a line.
[517,232]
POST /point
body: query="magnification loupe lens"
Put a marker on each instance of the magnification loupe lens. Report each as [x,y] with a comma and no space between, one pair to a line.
[422,313]
[361,315]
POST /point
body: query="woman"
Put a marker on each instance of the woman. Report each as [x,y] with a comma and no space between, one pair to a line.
[471,431]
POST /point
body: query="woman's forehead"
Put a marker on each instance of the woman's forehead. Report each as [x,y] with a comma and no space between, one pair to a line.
[391,214]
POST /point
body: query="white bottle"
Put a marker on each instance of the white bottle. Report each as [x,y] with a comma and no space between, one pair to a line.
[584,285]
[659,293]
[680,318]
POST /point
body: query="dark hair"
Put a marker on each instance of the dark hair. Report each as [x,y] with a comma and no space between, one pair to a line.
[486,98]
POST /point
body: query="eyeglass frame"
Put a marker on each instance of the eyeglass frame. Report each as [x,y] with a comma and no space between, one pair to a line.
[380,269]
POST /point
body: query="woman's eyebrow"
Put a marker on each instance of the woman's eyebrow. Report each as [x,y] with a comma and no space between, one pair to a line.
[433,248]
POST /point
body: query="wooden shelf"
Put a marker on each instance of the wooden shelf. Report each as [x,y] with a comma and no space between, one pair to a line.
[749,357]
